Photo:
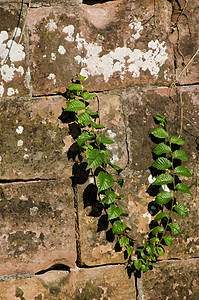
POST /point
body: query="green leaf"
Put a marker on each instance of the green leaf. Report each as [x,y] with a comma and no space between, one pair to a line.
[96,126]
[144,268]
[161,149]
[183,188]
[118,227]
[160,133]
[160,216]
[181,210]
[74,87]
[183,171]
[75,105]
[160,250]
[174,228]
[115,167]
[129,250]
[120,182]
[150,250]
[124,241]
[84,119]
[114,212]
[95,159]
[163,179]
[168,240]
[154,240]
[162,163]
[162,120]
[104,140]
[109,197]
[92,113]
[87,95]
[104,181]
[180,154]
[163,197]
[176,140]
[85,136]
[157,229]
[138,264]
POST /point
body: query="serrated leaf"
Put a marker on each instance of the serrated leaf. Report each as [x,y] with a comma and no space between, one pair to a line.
[104,181]
[181,187]
[118,227]
[163,179]
[157,229]
[114,212]
[96,126]
[115,167]
[154,240]
[74,87]
[162,163]
[80,77]
[84,119]
[180,154]
[144,268]
[183,171]
[138,264]
[163,197]
[123,241]
[129,250]
[85,136]
[168,240]
[92,113]
[95,159]
[150,250]
[174,228]
[162,120]
[160,250]
[181,210]
[176,140]
[161,149]
[159,133]
[109,197]
[104,140]
[87,95]
[75,105]
[120,182]
[160,216]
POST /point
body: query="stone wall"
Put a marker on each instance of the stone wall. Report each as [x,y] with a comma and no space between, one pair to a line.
[141,58]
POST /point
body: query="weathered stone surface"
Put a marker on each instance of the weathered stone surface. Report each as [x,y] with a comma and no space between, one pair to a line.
[171,280]
[110,282]
[95,249]
[34,142]
[185,39]
[14,72]
[114,44]
[37,226]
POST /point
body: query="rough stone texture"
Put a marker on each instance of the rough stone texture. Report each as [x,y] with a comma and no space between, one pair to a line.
[112,46]
[37,226]
[94,230]
[185,39]
[14,71]
[110,282]
[34,142]
[171,280]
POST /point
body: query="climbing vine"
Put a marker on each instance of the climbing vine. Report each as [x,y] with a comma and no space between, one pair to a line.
[167,166]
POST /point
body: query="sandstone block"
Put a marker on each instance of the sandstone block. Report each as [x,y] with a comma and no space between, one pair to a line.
[113,44]
[37,226]
[34,142]
[110,282]
[171,280]
[14,71]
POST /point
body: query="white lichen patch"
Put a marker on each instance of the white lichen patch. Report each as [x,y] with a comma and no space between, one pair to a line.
[17,32]
[19,143]
[26,156]
[0,158]
[69,30]
[61,50]
[53,56]
[12,92]
[51,26]
[1,90]
[147,215]
[137,28]
[33,210]
[19,129]
[52,76]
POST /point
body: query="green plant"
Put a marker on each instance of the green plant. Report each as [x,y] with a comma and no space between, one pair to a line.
[106,177]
